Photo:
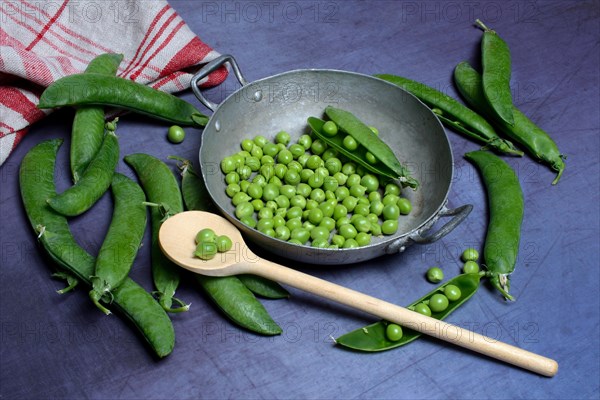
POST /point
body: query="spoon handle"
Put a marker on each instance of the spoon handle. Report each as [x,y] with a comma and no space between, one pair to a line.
[407,318]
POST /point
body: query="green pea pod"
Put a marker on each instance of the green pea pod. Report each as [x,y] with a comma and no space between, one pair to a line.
[359,155]
[88,125]
[264,287]
[372,338]
[496,74]
[533,139]
[455,115]
[94,182]
[122,240]
[193,189]
[102,90]
[239,304]
[162,190]
[36,183]
[505,203]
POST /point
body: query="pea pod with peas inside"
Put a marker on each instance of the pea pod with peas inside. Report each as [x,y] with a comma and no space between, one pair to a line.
[505,203]
[122,241]
[496,62]
[531,137]
[163,194]
[455,115]
[36,183]
[94,182]
[359,155]
[87,131]
[375,337]
[102,90]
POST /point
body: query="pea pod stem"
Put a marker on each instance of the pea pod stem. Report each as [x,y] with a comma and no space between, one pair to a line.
[71,281]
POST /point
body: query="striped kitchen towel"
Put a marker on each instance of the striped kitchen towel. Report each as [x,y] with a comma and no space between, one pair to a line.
[41,42]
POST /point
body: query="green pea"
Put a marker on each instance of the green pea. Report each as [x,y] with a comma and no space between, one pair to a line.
[244,171]
[423,309]
[338,240]
[297,150]
[247,144]
[341,193]
[363,200]
[260,140]
[374,196]
[298,201]
[349,168]
[341,178]
[282,201]
[228,165]
[278,220]
[357,190]
[362,224]
[270,191]
[285,157]
[372,218]
[438,302]
[295,241]
[375,229]
[470,254]
[279,170]
[339,211]
[390,199]
[249,220]
[206,250]
[282,137]
[350,203]
[330,129]
[470,267]
[224,243]
[300,234]
[282,232]
[303,159]
[272,205]
[311,204]
[392,188]
[292,177]
[266,160]
[317,195]
[342,221]
[258,153]
[232,177]
[259,180]
[244,209]
[240,197]
[244,186]
[258,204]
[276,181]
[350,143]
[376,207]
[267,231]
[435,275]
[316,181]
[393,332]
[315,215]
[371,159]
[305,141]
[255,191]
[265,212]
[330,184]
[363,238]
[328,223]
[305,174]
[452,292]
[391,211]
[318,147]
[232,189]
[270,149]
[264,224]
[295,166]
[329,154]
[320,243]
[333,165]
[319,232]
[404,206]
[348,231]
[389,227]
[303,190]
[294,223]
[350,244]
[253,163]
[361,209]
[353,179]
[205,235]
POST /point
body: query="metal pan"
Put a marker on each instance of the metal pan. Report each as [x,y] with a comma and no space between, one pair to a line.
[285,101]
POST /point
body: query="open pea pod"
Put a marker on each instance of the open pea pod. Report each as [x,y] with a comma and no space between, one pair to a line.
[359,155]
[372,338]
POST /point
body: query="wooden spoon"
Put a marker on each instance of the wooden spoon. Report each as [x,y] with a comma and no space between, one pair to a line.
[177,240]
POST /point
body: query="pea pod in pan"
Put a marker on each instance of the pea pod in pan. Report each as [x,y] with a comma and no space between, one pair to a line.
[36,183]
[94,182]
[532,138]
[162,190]
[505,203]
[373,337]
[233,295]
[122,241]
[455,115]
[87,131]
[102,90]
[359,155]
[496,62]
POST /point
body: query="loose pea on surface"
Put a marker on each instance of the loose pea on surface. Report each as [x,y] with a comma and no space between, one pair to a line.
[470,254]
[176,134]
[470,267]
[435,275]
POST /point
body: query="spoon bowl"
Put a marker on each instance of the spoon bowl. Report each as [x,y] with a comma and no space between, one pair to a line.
[177,240]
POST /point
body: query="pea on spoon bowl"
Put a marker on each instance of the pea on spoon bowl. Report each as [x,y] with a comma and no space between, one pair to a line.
[177,240]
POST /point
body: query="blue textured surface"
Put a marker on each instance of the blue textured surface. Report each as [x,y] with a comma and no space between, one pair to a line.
[61,346]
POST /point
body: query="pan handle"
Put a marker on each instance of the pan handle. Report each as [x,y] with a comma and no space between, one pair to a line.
[459,214]
[211,67]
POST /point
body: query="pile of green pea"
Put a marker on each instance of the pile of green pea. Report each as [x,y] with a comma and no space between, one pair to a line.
[306,193]
[208,244]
